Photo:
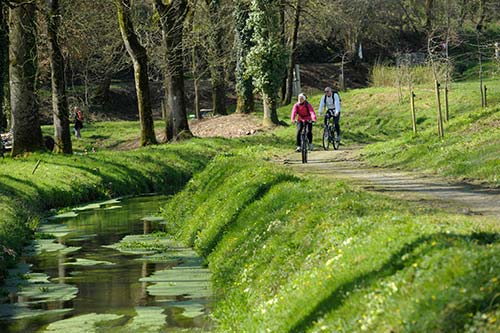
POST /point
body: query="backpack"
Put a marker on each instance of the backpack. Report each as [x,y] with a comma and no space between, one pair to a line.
[333,95]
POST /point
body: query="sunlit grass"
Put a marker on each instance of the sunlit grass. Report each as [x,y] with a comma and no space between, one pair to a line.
[292,254]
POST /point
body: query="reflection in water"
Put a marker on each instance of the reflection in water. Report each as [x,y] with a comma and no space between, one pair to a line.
[113,282]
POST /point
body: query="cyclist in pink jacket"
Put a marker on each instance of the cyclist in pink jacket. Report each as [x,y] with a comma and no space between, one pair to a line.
[306,116]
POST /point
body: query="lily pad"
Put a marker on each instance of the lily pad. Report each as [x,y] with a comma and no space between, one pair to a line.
[63,216]
[179,275]
[48,245]
[153,219]
[111,202]
[142,244]
[88,262]
[192,309]
[87,323]
[112,207]
[21,310]
[45,292]
[194,283]
[37,278]
[91,206]
[149,319]
[58,230]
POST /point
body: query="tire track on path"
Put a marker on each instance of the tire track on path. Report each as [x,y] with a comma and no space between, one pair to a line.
[422,189]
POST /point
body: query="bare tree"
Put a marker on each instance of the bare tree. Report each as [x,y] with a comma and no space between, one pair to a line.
[139,58]
[62,134]
[216,56]
[93,48]
[293,47]
[23,70]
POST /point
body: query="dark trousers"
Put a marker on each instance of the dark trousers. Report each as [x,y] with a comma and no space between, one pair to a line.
[300,126]
[336,120]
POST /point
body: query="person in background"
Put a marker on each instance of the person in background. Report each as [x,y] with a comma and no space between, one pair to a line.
[305,114]
[331,102]
[78,121]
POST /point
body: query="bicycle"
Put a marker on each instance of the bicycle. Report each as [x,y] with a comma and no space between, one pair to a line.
[330,135]
[304,141]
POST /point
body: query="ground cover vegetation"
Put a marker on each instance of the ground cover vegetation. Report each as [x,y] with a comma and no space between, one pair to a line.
[287,253]
[33,184]
[298,254]
[378,118]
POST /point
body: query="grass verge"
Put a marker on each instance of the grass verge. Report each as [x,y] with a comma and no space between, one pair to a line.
[294,254]
[61,181]
[470,149]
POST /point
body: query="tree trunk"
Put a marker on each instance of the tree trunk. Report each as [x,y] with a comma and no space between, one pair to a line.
[283,88]
[245,102]
[429,6]
[169,118]
[23,71]
[196,83]
[172,18]
[4,65]
[103,92]
[270,110]
[140,61]
[216,62]
[62,134]
[291,62]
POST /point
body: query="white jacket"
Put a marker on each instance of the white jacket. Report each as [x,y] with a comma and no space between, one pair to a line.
[331,103]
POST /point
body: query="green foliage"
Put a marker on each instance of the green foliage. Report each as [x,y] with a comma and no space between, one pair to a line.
[266,61]
[290,254]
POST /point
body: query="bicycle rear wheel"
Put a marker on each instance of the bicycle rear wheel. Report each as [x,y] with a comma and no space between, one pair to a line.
[326,138]
[336,141]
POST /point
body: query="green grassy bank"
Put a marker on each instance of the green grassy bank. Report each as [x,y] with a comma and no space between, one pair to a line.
[470,149]
[293,254]
[61,181]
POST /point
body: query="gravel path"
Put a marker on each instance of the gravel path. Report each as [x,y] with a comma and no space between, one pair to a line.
[411,186]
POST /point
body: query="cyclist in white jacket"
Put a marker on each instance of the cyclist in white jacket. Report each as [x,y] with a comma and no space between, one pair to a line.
[331,102]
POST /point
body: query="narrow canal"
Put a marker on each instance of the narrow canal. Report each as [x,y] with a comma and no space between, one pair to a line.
[107,267]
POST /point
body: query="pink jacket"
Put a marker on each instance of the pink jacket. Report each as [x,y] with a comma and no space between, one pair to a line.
[305,112]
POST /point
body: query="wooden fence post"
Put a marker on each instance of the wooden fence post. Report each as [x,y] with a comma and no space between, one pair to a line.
[485,101]
[446,104]
[439,115]
[413,115]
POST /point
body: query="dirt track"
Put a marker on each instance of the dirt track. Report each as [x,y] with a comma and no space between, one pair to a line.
[410,186]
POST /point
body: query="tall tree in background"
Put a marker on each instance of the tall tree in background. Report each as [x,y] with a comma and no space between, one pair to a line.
[4,63]
[172,14]
[139,58]
[266,62]
[244,86]
[429,8]
[293,48]
[62,134]
[216,50]
[23,71]
[94,51]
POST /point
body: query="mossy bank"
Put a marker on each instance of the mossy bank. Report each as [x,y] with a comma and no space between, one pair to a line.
[294,254]
[33,184]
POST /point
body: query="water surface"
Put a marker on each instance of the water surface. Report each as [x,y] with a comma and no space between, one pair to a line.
[80,281]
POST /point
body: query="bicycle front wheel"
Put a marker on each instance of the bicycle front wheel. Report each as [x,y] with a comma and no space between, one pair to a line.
[304,151]
[326,138]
